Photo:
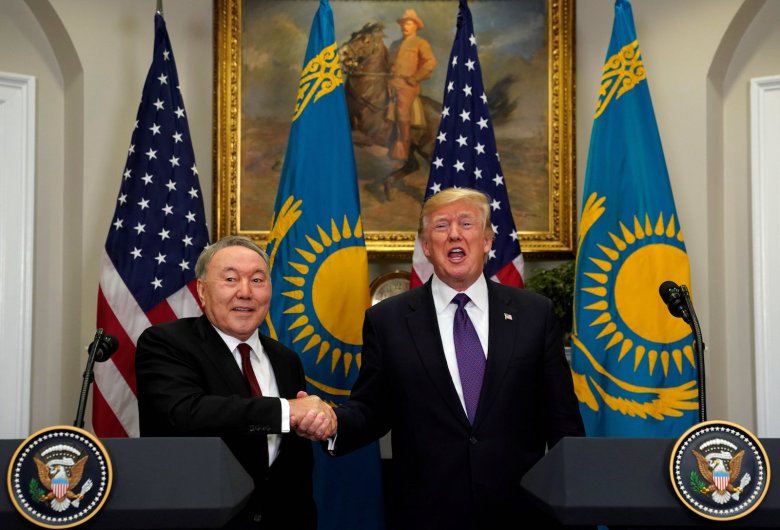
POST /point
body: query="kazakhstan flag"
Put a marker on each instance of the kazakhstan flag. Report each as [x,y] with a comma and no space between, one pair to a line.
[633,363]
[319,270]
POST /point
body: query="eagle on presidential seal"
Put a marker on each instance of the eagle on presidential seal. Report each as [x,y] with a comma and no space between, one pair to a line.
[720,465]
[60,469]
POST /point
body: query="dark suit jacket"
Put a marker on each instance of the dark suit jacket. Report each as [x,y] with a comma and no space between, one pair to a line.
[446,473]
[189,384]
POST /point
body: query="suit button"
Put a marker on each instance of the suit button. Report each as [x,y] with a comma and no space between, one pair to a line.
[473,440]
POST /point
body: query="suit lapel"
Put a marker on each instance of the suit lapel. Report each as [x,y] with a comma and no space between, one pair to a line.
[421,319]
[502,331]
[221,358]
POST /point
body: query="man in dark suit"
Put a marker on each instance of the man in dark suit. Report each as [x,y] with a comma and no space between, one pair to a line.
[459,452]
[215,375]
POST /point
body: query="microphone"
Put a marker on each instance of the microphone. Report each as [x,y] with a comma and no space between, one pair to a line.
[101,348]
[104,345]
[674,299]
[678,300]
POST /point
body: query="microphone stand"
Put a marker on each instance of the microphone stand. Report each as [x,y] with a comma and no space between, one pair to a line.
[87,379]
[699,353]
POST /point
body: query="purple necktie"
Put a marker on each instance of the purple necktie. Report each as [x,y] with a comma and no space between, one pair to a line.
[468,351]
[246,367]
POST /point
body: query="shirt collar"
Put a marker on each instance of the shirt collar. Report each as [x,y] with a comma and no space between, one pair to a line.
[232,342]
[443,293]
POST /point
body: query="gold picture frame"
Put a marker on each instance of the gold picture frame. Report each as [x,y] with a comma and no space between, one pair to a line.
[542,188]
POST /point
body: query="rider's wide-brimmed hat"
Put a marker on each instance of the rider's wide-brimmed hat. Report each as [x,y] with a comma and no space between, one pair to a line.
[411,14]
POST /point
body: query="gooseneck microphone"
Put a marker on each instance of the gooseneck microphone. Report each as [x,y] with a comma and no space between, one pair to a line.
[678,300]
[100,349]
[673,297]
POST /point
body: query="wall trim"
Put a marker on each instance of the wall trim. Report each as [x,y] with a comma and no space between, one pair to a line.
[765,180]
[17,199]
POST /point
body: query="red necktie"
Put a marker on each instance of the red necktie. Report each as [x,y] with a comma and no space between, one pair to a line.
[246,367]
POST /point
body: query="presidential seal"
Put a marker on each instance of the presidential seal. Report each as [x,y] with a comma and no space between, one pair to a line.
[719,470]
[59,477]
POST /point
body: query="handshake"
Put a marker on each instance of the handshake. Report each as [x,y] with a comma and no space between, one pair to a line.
[312,418]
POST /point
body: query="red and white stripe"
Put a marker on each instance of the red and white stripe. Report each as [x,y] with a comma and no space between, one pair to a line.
[114,403]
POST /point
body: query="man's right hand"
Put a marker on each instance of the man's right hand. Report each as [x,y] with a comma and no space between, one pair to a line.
[311,417]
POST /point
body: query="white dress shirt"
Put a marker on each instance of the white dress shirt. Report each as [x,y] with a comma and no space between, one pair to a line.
[477,308]
[264,373]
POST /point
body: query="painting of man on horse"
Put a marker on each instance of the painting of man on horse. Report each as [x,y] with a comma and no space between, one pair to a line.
[514,58]
[386,110]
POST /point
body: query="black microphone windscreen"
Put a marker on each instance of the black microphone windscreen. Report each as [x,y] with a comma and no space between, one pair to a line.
[667,290]
[111,342]
[673,297]
[108,345]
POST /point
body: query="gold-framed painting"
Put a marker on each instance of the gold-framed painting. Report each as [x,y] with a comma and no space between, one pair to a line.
[526,52]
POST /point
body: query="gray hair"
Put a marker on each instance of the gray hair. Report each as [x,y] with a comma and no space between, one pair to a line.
[202,265]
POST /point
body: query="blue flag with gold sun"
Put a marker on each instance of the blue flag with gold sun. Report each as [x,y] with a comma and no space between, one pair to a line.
[633,362]
[319,271]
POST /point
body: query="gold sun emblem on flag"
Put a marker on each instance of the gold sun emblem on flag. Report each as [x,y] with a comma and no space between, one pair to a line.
[619,291]
[325,295]
[637,305]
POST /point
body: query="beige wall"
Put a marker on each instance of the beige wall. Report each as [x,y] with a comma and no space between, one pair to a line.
[757,55]
[91,56]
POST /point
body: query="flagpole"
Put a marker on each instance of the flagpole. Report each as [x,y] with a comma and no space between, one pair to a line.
[159,7]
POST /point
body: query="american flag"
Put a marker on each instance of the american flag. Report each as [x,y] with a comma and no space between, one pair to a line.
[466,156]
[157,232]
